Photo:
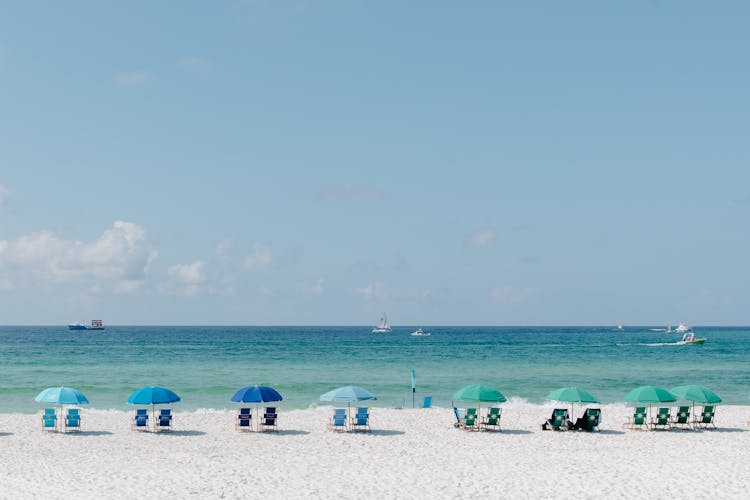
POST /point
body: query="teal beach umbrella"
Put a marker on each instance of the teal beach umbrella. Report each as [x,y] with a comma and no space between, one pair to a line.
[62,396]
[479,394]
[696,394]
[349,394]
[650,394]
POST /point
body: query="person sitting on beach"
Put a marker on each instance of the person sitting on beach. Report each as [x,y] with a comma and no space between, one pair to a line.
[549,423]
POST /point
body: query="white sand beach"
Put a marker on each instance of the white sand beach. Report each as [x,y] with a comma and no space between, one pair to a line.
[408,454]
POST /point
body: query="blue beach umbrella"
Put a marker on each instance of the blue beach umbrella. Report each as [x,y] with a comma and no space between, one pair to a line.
[256,394]
[348,394]
[62,396]
[153,396]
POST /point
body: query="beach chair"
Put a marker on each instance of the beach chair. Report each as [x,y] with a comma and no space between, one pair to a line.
[269,420]
[49,420]
[558,421]
[590,420]
[361,420]
[661,420]
[682,417]
[73,420]
[427,402]
[244,420]
[492,420]
[706,418]
[163,420]
[469,421]
[638,421]
[338,420]
[140,420]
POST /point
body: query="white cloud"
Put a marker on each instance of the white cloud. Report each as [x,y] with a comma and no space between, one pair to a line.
[483,238]
[119,259]
[132,78]
[507,295]
[189,278]
[191,63]
[261,257]
[348,193]
[373,291]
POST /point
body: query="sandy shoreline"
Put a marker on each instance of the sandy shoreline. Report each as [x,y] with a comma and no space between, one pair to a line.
[409,454]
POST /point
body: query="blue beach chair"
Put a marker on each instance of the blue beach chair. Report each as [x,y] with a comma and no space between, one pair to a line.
[269,420]
[140,420]
[244,420]
[427,402]
[73,420]
[164,420]
[49,420]
[361,420]
[338,420]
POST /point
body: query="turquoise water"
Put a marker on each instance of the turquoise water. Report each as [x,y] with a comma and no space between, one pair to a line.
[205,365]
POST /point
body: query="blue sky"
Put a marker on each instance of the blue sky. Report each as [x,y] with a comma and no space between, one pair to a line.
[320,162]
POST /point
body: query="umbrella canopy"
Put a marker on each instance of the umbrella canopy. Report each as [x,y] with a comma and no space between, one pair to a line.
[347,394]
[571,395]
[153,396]
[650,394]
[480,393]
[256,394]
[697,394]
[62,396]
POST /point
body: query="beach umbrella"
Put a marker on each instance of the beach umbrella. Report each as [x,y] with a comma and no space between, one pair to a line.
[256,394]
[348,394]
[480,394]
[571,395]
[696,394]
[62,396]
[153,395]
[650,394]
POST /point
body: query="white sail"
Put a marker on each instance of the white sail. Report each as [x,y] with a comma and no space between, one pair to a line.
[383,325]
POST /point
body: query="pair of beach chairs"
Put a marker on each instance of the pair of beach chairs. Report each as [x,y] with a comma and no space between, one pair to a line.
[560,420]
[468,419]
[664,420]
[70,423]
[360,421]
[162,421]
[269,421]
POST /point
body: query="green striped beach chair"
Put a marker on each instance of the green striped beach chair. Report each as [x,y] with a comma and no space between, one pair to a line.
[469,421]
[492,420]
[662,420]
[706,418]
[682,417]
[638,420]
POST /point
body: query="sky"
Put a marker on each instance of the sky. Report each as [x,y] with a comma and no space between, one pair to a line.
[320,162]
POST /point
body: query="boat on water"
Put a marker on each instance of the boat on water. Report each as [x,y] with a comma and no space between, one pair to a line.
[689,339]
[420,333]
[383,325]
[96,324]
[682,328]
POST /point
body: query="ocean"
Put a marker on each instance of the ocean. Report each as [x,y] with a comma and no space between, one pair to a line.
[206,365]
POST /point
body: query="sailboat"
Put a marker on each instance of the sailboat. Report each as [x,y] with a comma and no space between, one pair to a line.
[383,326]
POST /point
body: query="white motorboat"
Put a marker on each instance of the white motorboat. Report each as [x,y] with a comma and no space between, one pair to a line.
[689,339]
[682,328]
[420,333]
[383,326]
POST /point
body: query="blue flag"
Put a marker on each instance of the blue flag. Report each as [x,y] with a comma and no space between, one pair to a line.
[413,380]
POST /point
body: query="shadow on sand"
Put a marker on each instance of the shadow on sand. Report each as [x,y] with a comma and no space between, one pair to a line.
[180,433]
[89,433]
[6,434]
[511,432]
[382,432]
[609,432]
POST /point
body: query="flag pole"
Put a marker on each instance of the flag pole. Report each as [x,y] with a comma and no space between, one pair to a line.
[413,388]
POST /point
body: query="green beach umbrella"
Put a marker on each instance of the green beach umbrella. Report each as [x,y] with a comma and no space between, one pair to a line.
[571,395]
[650,394]
[697,394]
[479,393]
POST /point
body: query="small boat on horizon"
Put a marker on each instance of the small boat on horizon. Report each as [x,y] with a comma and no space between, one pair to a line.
[383,325]
[420,333]
[96,324]
[681,328]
